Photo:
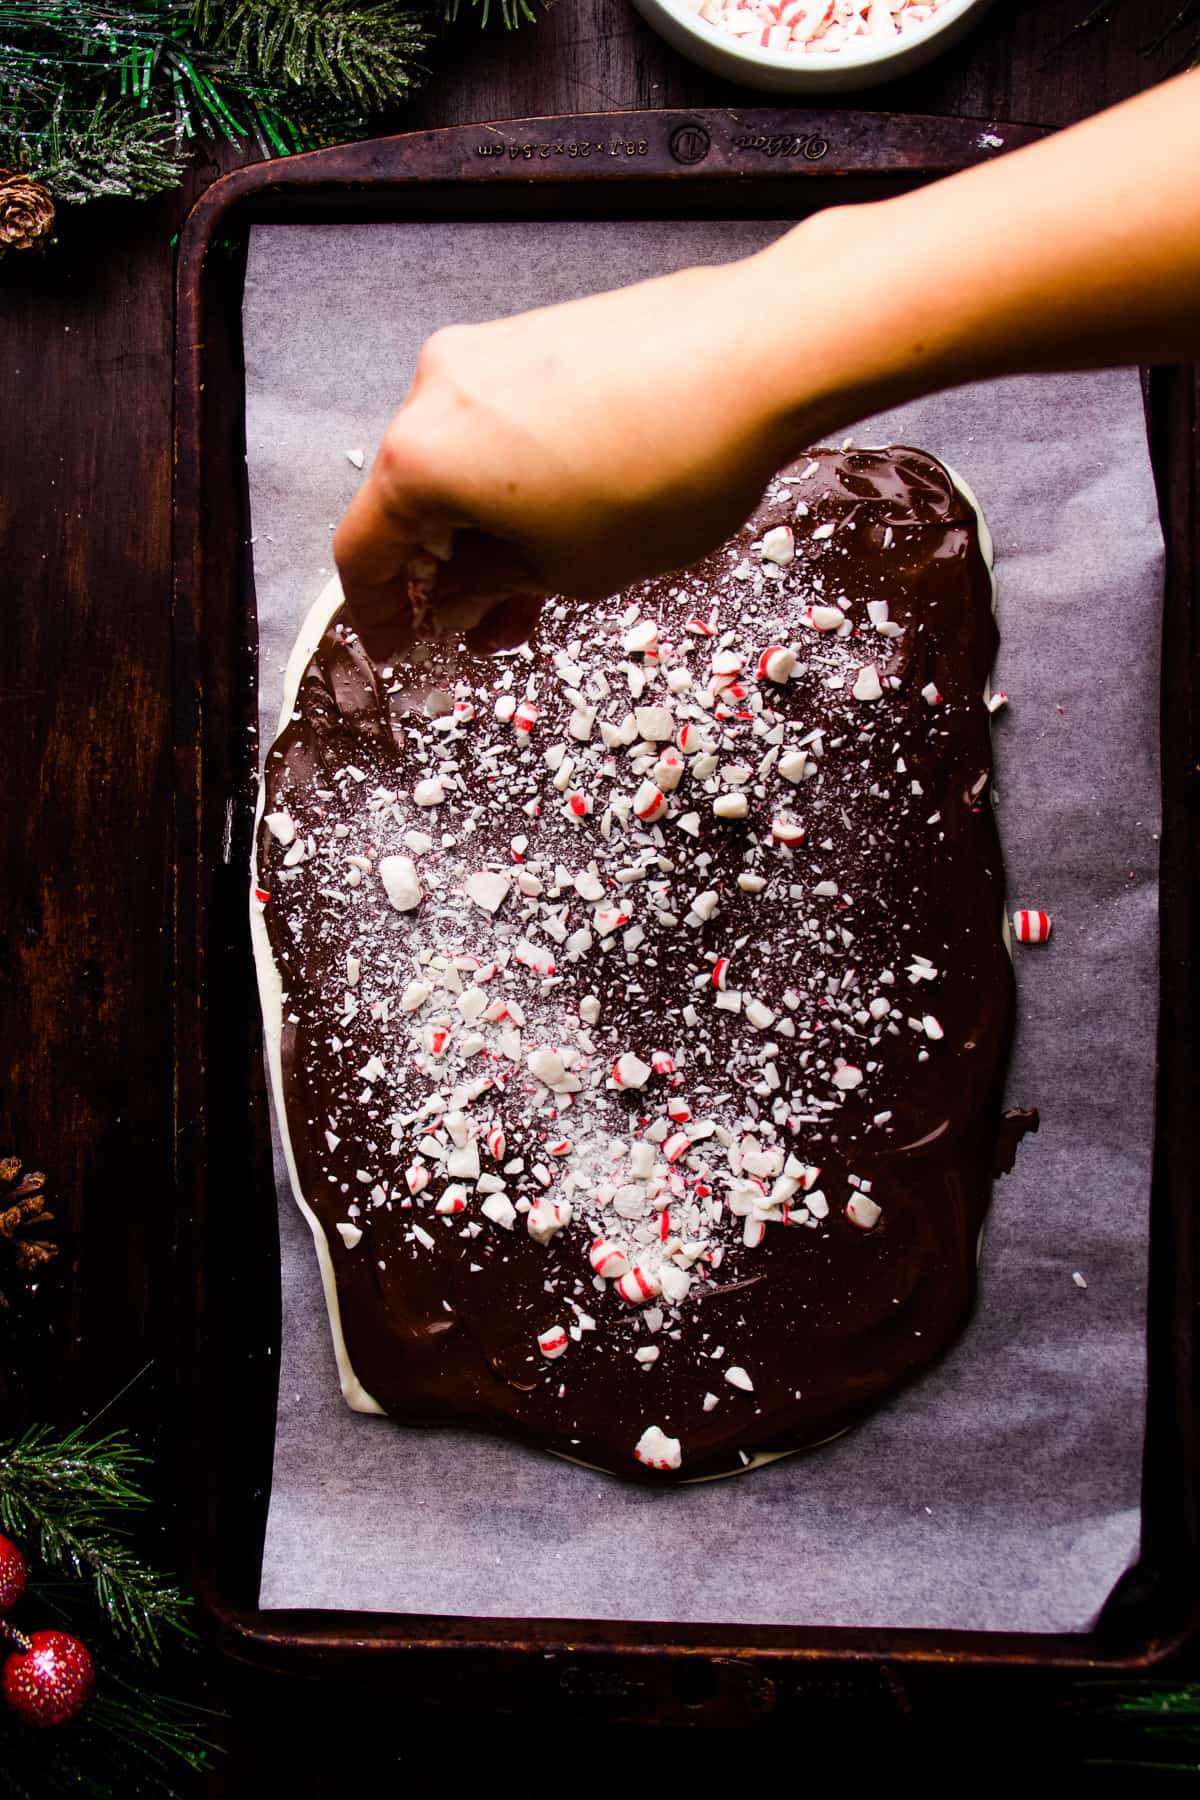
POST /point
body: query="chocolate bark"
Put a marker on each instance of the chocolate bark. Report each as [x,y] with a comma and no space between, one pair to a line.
[756,1008]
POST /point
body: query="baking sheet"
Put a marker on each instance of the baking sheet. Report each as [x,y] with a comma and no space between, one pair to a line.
[1002,1492]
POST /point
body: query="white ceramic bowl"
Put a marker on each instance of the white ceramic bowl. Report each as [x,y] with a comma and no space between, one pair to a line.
[820,72]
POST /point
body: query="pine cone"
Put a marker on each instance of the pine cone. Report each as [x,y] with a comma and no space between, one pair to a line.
[26,211]
[23,1202]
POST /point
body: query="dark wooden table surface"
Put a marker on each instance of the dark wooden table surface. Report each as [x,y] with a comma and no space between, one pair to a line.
[85,896]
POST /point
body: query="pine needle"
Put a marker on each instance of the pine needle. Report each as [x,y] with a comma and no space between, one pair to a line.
[512,12]
[63,1496]
[364,55]
[115,149]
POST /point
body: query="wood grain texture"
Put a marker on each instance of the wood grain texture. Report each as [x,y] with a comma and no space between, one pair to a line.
[85,697]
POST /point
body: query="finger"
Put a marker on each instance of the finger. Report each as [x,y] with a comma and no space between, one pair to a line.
[481,570]
[488,592]
[357,694]
[374,548]
[509,623]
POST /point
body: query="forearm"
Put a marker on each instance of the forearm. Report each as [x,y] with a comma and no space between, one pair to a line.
[1081,251]
[587,445]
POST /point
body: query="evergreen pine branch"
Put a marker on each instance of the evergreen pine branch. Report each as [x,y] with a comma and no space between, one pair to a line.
[163,1730]
[1162,1705]
[60,1495]
[64,1497]
[362,55]
[47,45]
[98,97]
[512,12]
[66,55]
[68,1472]
[116,149]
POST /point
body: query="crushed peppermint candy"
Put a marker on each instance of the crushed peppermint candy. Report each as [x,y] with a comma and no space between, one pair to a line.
[400,882]
[862,1211]
[657,1450]
[816,28]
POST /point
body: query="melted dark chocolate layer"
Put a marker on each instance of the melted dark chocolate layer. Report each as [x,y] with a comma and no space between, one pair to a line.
[899,871]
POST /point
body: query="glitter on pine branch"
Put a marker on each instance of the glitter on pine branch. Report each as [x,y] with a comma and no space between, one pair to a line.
[362,55]
[98,99]
[114,149]
[512,12]
[101,99]
[63,1497]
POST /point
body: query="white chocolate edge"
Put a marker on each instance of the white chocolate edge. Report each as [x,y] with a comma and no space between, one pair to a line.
[271,996]
[270,990]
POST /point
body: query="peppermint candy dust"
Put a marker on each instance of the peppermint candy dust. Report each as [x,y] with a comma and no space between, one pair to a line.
[645,1000]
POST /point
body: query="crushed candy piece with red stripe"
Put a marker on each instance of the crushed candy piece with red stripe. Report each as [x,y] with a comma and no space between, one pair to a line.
[546,1217]
[862,1211]
[642,639]
[608,1259]
[823,618]
[1031,927]
[629,1071]
[656,1450]
[778,663]
[636,1286]
[649,803]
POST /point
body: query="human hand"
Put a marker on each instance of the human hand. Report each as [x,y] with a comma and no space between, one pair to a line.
[572,449]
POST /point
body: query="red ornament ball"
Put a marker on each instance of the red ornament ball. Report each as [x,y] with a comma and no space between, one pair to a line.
[51,1682]
[12,1574]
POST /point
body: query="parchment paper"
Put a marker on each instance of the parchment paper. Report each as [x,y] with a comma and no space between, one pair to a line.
[1002,1492]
